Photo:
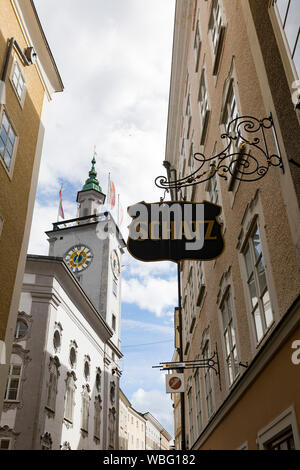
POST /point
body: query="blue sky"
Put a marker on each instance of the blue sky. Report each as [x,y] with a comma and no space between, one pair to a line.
[114,58]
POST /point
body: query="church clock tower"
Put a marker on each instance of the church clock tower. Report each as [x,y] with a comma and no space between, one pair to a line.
[91,246]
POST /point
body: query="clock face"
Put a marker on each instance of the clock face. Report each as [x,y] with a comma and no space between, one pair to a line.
[78,258]
[115,264]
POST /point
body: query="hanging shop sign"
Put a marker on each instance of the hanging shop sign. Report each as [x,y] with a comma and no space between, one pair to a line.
[174,383]
[175,231]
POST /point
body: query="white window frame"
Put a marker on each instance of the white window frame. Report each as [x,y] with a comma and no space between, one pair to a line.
[208,382]
[204,107]
[281,423]
[9,170]
[216,28]
[249,244]
[284,48]
[197,44]
[16,66]
[198,395]
[9,439]
[14,377]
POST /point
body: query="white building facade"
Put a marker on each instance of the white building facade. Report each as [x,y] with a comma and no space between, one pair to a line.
[63,385]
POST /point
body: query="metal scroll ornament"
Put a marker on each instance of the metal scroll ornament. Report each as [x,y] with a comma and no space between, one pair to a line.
[246,157]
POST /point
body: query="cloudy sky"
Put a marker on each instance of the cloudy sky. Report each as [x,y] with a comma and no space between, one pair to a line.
[114,57]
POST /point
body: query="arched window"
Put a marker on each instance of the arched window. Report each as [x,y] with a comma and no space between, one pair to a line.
[52,385]
[14,378]
[97,417]
[21,329]
[70,396]
[85,408]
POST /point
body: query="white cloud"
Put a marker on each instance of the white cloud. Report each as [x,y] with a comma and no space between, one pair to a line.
[151,327]
[159,404]
[153,294]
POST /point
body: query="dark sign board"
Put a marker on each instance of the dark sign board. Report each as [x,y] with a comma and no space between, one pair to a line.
[175,231]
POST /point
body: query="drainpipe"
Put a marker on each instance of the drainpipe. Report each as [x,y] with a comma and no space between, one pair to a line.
[27,57]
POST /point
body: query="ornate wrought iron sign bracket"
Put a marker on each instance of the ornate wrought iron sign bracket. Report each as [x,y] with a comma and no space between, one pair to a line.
[246,157]
[210,363]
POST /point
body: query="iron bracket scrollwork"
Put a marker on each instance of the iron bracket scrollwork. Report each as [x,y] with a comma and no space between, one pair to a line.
[246,157]
[209,363]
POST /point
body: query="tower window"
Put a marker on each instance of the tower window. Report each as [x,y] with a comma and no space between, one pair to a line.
[113,322]
[115,287]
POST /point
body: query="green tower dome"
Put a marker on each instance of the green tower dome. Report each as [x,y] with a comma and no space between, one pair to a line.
[92,182]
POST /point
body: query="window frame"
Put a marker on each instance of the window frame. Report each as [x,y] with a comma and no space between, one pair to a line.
[204,111]
[287,419]
[208,382]
[254,274]
[227,328]
[10,170]
[16,65]
[197,44]
[216,46]
[13,377]
[284,47]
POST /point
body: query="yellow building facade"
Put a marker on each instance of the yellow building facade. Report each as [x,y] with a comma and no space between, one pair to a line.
[29,77]
[230,59]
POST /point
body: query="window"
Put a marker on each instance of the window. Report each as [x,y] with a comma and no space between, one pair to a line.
[217,33]
[4,444]
[18,82]
[213,189]
[229,339]
[1,224]
[111,428]
[208,382]
[204,107]
[257,285]
[85,409]
[56,340]
[7,141]
[230,113]
[192,300]
[281,434]
[70,397]
[113,322]
[197,45]
[191,417]
[98,380]
[14,379]
[52,386]
[21,329]
[188,116]
[46,441]
[73,357]
[289,14]
[283,442]
[198,400]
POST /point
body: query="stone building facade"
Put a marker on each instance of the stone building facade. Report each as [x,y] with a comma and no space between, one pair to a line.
[240,58]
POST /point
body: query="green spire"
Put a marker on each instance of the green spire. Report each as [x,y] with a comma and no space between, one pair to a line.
[92,182]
